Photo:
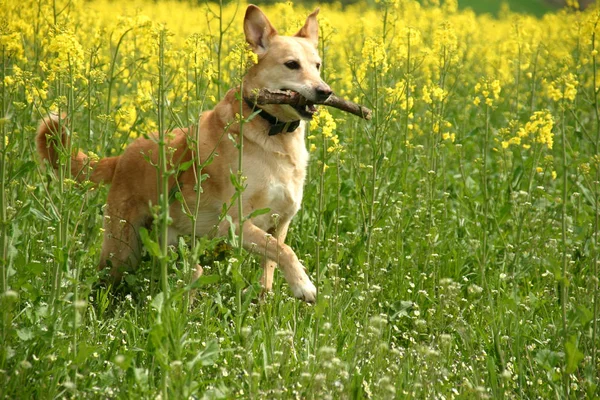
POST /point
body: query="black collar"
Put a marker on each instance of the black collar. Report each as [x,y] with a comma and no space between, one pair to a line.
[276,125]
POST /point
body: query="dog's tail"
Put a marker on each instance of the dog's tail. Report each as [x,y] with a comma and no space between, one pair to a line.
[49,140]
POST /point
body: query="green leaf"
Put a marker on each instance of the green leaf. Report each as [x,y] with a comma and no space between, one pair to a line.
[207,356]
[256,213]
[185,166]
[589,197]
[516,179]
[206,280]
[150,244]
[320,308]
[585,315]
[141,375]
[28,166]
[24,334]
[36,269]
[574,356]
[548,358]
[251,116]
[157,301]
[83,352]
[40,215]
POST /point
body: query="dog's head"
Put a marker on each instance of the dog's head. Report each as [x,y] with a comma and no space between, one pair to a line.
[286,63]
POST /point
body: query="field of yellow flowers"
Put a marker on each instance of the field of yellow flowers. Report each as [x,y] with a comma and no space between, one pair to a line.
[454,238]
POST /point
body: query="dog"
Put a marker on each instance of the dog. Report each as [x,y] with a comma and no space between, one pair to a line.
[274,162]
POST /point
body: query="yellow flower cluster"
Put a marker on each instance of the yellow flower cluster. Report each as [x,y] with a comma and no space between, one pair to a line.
[10,41]
[538,128]
[323,121]
[69,55]
[433,93]
[488,91]
[374,57]
[563,88]
[240,58]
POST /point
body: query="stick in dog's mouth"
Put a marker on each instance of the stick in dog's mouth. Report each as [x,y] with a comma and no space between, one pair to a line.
[304,107]
[307,110]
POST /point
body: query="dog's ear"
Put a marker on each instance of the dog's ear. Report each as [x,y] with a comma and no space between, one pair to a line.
[258,29]
[310,30]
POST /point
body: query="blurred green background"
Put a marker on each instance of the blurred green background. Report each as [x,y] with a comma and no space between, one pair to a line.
[535,7]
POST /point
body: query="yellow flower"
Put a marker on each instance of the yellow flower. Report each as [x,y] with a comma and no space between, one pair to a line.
[68,55]
[125,117]
[324,122]
[373,56]
[241,58]
[373,52]
[489,92]
[426,95]
[444,38]
[538,128]
[495,86]
[585,168]
[563,88]
[449,136]
[10,40]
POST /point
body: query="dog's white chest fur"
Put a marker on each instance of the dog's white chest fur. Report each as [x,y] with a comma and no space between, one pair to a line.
[284,198]
[277,184]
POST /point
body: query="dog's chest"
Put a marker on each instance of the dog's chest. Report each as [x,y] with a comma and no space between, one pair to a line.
[277,185]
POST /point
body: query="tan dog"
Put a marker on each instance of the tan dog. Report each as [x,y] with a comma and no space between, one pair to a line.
[274,161]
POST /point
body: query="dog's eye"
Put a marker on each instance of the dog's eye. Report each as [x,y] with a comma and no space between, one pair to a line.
[292,64]
[318,66]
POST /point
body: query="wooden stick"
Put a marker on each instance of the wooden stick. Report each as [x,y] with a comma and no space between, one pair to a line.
[265,96]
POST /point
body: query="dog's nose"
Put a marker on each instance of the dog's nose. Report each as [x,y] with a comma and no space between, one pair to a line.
[323,92]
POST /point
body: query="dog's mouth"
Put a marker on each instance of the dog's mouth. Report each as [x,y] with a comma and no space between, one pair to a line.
[305,108]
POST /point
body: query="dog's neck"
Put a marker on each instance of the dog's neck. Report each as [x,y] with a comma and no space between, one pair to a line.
[275,125]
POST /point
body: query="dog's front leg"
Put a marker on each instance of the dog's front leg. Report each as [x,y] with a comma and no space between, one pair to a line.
[260,242]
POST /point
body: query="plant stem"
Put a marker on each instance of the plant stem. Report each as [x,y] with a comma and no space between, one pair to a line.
[596,202]
[5,323]
[484,184]
[111,79]
[3,217]
[374,159]
[407,118]
[564,280]
[163,200]
[240,204]
[320,229]
[163,179]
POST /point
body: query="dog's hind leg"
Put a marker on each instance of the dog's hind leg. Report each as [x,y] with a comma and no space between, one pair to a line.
[196,274]
[268,270]
[270,265]
[121,247]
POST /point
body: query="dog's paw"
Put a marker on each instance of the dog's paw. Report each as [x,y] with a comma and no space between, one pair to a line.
[305,290]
